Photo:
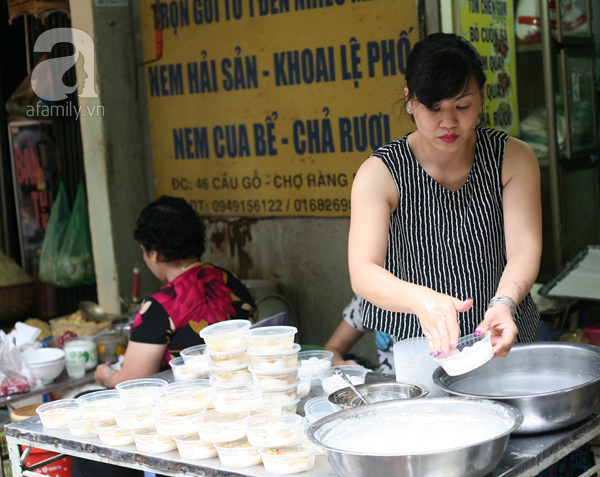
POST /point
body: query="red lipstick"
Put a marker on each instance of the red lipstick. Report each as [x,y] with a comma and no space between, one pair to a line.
[449,138]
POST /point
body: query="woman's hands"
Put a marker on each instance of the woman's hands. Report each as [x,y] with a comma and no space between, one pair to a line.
[499,322]
[100,373]
[438,317]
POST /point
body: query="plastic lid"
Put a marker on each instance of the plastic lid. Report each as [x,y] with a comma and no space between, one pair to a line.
[194,350]
[228,369]
[176,362]
[226,353]
[291,403]
[295,349]
[148,384]
[225,329]
[273,372]
[271,332]
[318,407]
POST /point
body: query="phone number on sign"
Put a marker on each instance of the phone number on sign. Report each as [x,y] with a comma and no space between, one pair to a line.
[271,205]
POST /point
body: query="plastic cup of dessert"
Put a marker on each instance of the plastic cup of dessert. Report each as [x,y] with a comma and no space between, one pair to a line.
[228,359]
[331,382]
[277,360]
[54,414]
[99,405]
[291,406]
[273,430]
[271,339]
[146,390]
[194,395]
[226,335]
[237,397]
[182,373]
[305,383]
[315,361]
[288,393]
[271,407]
[79,426]
[275,378]
[175,423]
[305,441]
[471,352]
[196,359]
[318,407]
[239,453]
[288,460]
[134,415]
[214,426]
[112,435]
[192,447]
[151,442]
[233,374]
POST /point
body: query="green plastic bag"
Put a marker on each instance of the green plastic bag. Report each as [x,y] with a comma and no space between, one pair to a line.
[53,240]
[75,260]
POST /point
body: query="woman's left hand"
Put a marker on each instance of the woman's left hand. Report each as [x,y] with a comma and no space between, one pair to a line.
[100,373]
[499,322]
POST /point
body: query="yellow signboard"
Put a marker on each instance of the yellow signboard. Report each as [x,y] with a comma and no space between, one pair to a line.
[268,107]
[489,26]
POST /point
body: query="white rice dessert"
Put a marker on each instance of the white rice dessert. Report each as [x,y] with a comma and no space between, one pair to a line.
[151,442]
[275,378]
[237,398]
[239,453]
[80,426]
[315,366]
[112,435]
[175,423]
[287,393]
[130,417]
[235,374]
[291,407]
[273,430]
[192,447]
[288,460]
[229,359]
[216,427]
[334,382]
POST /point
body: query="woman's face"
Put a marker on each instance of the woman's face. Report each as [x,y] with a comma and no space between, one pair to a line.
[452,122]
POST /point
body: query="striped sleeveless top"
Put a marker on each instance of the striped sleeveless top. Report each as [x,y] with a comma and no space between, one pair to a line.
[449,241]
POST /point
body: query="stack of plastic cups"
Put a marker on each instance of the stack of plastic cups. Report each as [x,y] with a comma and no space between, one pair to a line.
[414,364]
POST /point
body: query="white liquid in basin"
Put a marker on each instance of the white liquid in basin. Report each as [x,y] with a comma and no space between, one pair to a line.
[519,383]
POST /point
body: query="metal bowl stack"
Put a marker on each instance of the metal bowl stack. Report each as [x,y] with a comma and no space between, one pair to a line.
[350,450]
[346,398]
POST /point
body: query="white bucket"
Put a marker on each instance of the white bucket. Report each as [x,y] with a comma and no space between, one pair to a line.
[414,364]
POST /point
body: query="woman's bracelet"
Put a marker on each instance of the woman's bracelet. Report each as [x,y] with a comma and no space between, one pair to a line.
[505,300]
[108,373]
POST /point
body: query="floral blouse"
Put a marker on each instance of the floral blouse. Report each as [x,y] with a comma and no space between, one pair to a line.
[175,313]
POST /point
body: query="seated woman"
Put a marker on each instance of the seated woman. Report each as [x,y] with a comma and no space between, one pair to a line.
[196,294]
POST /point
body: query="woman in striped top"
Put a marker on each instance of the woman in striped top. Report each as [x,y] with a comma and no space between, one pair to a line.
[445,232]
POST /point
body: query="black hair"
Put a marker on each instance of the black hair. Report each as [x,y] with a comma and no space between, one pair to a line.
[439,68]
[169,225]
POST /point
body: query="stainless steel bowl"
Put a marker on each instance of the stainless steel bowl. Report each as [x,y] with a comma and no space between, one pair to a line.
[472,461]
[527,362]
[345,398]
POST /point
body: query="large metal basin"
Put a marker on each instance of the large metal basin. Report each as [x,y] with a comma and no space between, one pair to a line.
[536,364]
[346,398]
[471,461]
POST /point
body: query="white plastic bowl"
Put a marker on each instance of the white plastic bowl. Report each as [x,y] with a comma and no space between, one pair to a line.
[273,430]
[45,363]
[239,453]
[226,335]
[196,359]
[182,373]
[142,390]
[288,460]
[54,414]
[192,447]
[214,426]
[471,352]
[315,361]
[99,405]
[331,382]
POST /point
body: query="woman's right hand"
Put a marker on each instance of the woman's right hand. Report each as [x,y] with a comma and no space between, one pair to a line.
[437,315]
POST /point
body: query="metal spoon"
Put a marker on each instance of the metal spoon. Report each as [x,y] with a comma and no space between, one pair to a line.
[340,373]
[92,311]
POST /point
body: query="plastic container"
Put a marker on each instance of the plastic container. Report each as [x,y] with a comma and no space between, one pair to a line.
[305,383]
[99,405]
[129,415]
[271,407]
[142,390]
[217,427]
[275,378]
[315,361]
[151,442]
[414,364]
[593,333]
[288,393]
[288,460]
[81,349]
[471,352]
[271,339]
[305,441]
[226,335]
[318,407]
[331,382]
[228,359]
[291,407]
[192,447]
[196,359]
[194,395]
[110,346]
[79,426]
[175,423]
[53,414]
[59,468]
[239,453]
[273,430]
[181,372]
[112,435]
[280,360]
[231,398]
[232,375]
